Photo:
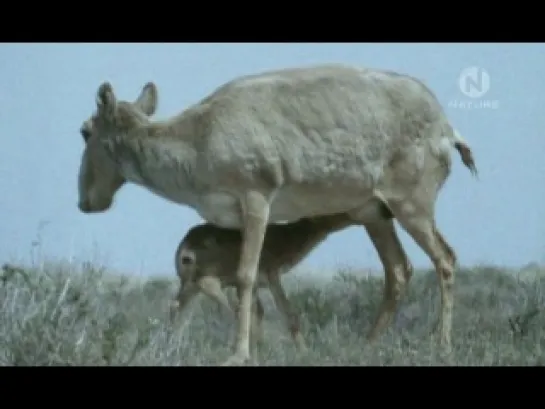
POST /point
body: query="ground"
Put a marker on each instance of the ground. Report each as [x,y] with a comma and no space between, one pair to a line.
[55,315]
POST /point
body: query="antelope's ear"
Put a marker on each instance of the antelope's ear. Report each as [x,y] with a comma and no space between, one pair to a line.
[106,101]
[147,100]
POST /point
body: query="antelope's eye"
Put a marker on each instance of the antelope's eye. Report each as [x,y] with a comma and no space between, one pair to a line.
[187,260]
[86,134]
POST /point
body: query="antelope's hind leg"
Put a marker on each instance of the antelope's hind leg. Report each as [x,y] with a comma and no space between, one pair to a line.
[378,220]
[417,218]
[397,271]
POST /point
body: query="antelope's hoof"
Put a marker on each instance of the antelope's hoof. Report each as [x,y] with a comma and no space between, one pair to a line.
[237,359]
[173,312]
[300,344]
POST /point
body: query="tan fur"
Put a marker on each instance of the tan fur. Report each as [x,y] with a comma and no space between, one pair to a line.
[284,145]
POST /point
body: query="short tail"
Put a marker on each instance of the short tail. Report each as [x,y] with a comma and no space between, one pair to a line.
[465,152]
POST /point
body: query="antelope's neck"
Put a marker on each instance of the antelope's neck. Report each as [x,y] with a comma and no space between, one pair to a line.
[159,163]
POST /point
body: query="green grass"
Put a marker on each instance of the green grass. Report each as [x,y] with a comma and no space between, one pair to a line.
[63,315]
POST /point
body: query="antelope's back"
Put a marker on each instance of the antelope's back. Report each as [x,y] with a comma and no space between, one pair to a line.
[307,125]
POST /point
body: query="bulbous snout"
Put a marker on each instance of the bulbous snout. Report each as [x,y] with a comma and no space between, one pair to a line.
[86,207]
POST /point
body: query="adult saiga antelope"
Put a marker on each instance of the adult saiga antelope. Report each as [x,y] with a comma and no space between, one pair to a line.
[284,145]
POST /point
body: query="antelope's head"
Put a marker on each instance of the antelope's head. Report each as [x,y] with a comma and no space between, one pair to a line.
[99,175]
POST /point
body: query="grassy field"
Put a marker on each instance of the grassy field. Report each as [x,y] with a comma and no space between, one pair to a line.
[63,315]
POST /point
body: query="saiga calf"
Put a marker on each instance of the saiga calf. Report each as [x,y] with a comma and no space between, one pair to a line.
[206,261]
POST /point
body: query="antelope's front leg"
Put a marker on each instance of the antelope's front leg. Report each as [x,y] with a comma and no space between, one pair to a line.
[211,286]
[185,295]
[256,332]
[255,213]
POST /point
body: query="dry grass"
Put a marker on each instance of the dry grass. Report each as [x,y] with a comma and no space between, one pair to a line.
[62,315]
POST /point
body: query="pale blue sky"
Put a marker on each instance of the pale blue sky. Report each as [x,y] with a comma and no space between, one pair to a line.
[47,90]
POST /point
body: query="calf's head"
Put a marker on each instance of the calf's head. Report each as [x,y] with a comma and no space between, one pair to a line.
[99,175]
[206,251]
